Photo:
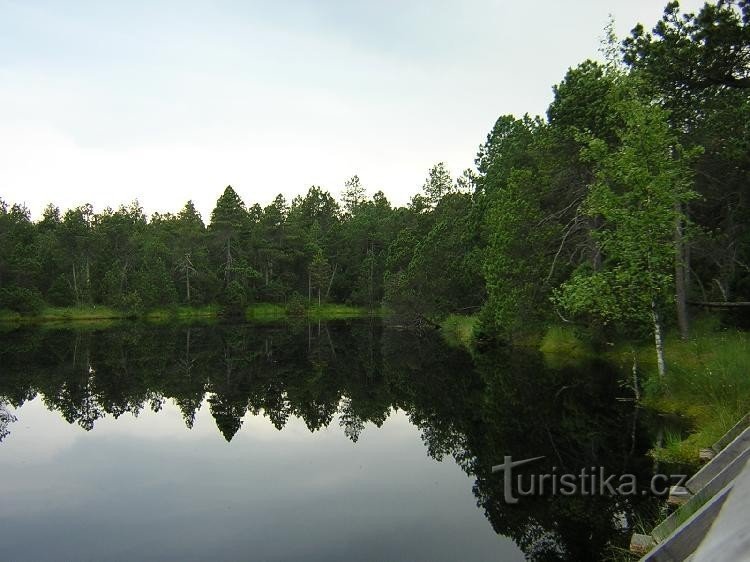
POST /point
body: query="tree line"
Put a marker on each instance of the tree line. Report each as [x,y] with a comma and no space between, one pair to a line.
[315,248]
[628,201]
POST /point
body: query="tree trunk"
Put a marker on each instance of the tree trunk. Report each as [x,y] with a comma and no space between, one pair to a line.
[658,339]
[681,266]
[75,287]
[187,281]
[88,279]
[228,266]
[372,275]
[636,389]
[330,282]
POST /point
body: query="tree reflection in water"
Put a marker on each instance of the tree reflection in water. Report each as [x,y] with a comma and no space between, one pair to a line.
[473,409]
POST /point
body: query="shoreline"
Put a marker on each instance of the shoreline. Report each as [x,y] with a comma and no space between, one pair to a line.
[255,312]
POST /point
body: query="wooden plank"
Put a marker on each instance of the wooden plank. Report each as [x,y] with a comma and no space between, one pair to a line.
[678,495]
[732,434]
[705,455]
[683,541]
[641,544]
[719,462]
[729,537]
[704,495]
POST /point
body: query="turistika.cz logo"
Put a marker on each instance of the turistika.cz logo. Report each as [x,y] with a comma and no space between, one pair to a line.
[590,481]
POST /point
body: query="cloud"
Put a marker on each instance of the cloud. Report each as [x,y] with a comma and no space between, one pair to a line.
[104,103]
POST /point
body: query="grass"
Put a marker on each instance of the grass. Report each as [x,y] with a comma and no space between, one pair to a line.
[690,508]
[74,313]
[325,311]
[9,316]
[708,381]
[266,311]
[207,312]
[55,316]
[563,346]
[330,311]
[458,330]
[259,311]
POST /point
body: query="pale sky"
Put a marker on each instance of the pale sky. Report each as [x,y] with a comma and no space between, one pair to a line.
[160,101]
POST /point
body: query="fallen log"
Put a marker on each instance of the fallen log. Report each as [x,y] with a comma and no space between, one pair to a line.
[716,304]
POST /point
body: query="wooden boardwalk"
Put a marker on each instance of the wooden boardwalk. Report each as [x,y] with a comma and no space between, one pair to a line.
[696,530]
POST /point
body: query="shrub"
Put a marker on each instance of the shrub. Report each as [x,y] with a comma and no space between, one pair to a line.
[22,300]
[296,305]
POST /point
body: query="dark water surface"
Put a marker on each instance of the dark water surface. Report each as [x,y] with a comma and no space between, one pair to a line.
[340,441]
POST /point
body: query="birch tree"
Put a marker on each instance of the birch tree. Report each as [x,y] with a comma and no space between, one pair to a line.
[638,191]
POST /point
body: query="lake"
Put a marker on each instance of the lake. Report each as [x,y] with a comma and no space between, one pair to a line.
[327,441]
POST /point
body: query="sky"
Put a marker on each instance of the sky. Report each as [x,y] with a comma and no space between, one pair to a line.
[105,102]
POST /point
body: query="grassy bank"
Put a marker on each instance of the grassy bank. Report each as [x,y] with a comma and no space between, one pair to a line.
[9,317]
[325,311]
[333,311]
[258,311]
[183,313]
[708,380]
[76,313]
[564,346]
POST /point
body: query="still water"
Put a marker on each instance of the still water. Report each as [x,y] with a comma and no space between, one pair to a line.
[339,441]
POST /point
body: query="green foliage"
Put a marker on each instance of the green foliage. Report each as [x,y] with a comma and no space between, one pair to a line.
[690,53]
[438,184]
[60,292]
[79,314]
[565,346]
[229,214]
[21,299]
[695,65]
[434,267]
[517,261]
[233,299]
[354,195]
[132,304]
[638,192]
[707,382]
[580,213]
[296,305]
[459,331]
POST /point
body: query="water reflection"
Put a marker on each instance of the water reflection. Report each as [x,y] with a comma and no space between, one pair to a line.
[356,374]
[6,418]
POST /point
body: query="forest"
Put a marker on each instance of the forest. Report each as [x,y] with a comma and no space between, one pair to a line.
[622,209]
